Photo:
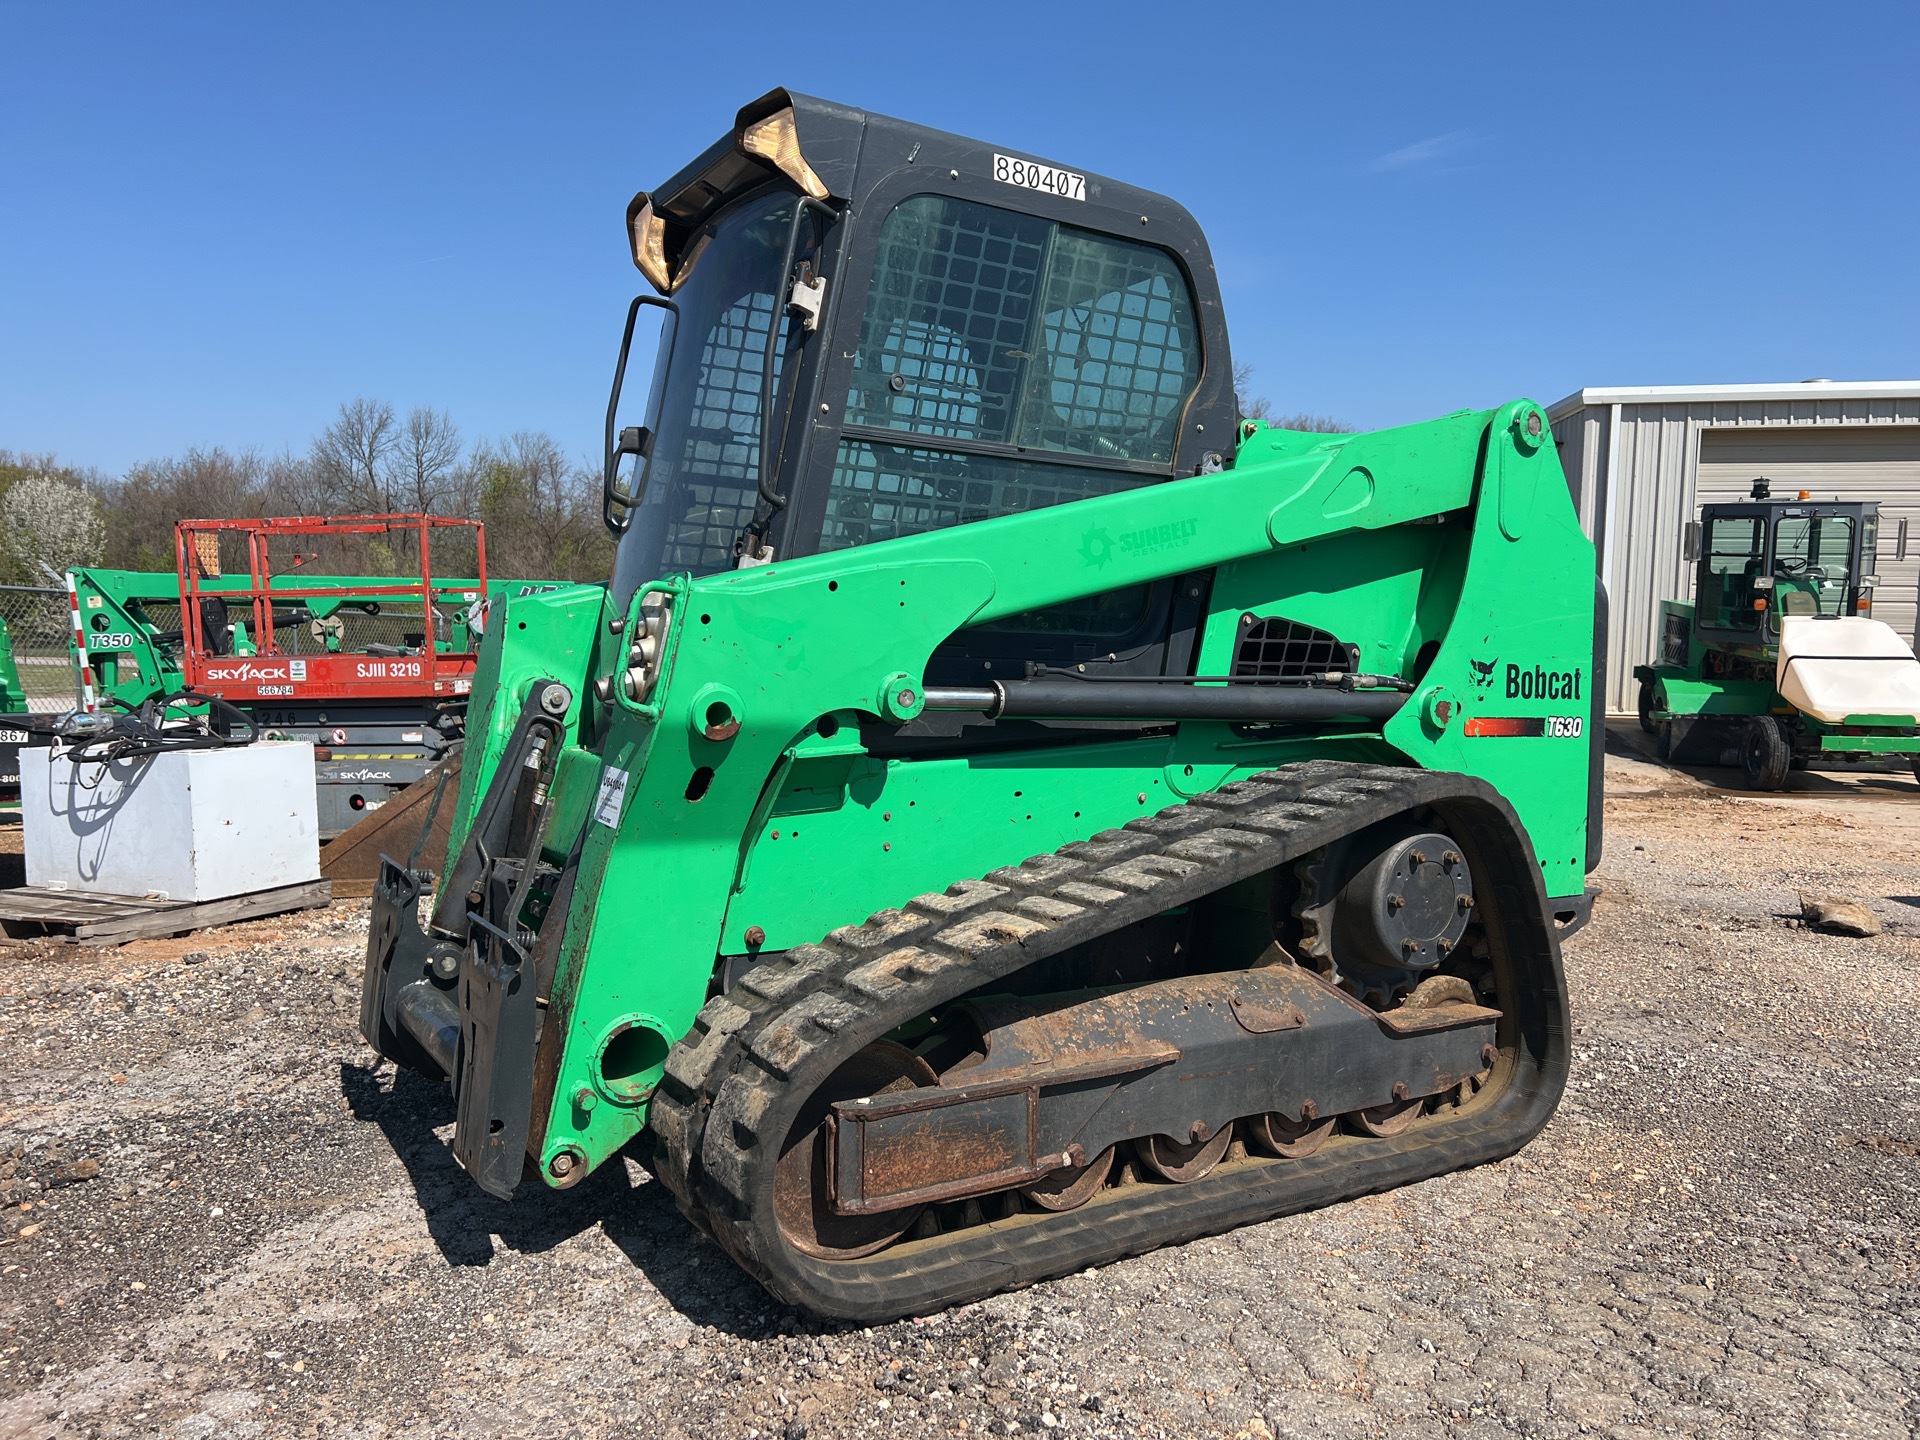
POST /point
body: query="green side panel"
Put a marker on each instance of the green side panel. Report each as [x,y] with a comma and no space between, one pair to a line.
[1517,655]
[1872,744]
[576,776]
[871,833]
[1690,695]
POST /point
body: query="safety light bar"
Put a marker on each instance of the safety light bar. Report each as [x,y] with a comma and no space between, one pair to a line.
[777,139]
[649,238]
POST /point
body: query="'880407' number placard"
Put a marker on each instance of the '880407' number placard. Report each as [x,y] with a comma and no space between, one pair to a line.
[1027,174]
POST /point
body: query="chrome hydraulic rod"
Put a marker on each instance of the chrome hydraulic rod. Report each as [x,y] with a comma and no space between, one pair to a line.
[1146,700]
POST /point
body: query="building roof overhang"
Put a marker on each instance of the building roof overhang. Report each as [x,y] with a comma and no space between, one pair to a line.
[1712,394]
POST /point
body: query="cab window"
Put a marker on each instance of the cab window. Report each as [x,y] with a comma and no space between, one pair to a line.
[1733,556]
[1812,564]
[997,350]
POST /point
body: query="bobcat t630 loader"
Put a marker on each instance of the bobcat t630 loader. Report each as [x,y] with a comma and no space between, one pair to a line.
[1007,813]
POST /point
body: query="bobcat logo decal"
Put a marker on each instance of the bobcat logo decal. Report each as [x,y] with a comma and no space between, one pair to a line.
[1483,671]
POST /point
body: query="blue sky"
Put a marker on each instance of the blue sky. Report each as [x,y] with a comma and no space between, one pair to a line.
[223,220]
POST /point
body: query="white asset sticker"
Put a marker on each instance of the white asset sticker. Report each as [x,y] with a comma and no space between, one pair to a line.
[1064,183]
[613,795]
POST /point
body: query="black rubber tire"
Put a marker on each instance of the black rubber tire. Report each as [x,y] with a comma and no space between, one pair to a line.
[1765,755]
[1647,706]
[1916,769]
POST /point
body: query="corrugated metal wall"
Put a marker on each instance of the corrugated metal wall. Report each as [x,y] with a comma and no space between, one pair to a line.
[1852,462]
[1655,459]
[1582,439]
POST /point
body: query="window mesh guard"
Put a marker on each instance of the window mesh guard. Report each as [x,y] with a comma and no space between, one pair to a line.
[1280,649]
[989,325]
[719,466]
[882,492]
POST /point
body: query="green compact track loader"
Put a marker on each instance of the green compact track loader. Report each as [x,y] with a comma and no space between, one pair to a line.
[1007,813]
[1779,658]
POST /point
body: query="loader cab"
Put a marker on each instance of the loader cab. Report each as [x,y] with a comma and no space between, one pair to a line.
[1764,558]
[870,329]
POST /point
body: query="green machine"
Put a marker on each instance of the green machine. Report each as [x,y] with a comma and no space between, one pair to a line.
[1006,813]
[384,722]
[1778,656]
[135,637]
[13,700]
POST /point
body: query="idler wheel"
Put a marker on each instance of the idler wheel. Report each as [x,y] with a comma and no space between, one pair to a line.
[802,1202]
[1072,1187]
[1276,1134]
[1390,1119]
[1184,1164]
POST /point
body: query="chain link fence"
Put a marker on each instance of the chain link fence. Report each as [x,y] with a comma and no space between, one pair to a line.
[40,627]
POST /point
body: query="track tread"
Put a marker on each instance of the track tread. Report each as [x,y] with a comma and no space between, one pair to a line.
[736,1080]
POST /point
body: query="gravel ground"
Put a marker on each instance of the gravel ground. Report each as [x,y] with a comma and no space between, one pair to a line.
[221,1219]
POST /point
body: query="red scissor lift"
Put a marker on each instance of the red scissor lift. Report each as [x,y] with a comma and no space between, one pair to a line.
[270,674]
[379,715]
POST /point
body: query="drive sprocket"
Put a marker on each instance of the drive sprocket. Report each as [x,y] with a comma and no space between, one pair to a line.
[1378,910]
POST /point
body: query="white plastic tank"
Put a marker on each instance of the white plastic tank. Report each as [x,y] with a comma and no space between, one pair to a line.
[1831,668]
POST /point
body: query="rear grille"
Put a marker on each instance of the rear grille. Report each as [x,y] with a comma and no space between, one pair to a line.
[1280,649]
[1675,640]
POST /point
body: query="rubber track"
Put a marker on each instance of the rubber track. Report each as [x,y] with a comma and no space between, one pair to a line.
[733,1085]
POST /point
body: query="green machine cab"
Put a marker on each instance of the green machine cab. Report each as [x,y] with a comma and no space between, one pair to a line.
[1006,813]
[1783,600]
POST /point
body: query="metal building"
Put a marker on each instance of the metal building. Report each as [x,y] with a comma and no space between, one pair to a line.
[1641,461]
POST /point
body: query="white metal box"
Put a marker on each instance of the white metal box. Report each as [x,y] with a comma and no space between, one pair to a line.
[191,825]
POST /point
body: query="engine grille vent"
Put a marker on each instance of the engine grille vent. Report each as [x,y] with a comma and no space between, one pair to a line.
[1675,640]
[1280,649]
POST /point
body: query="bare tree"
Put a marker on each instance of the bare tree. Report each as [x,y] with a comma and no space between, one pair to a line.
[353,458]
[541,513]
[18,467]
[1312,424]
[1252,407]
[1258,407]
[290,486]
[541,510]
[425,473]
[142,506]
